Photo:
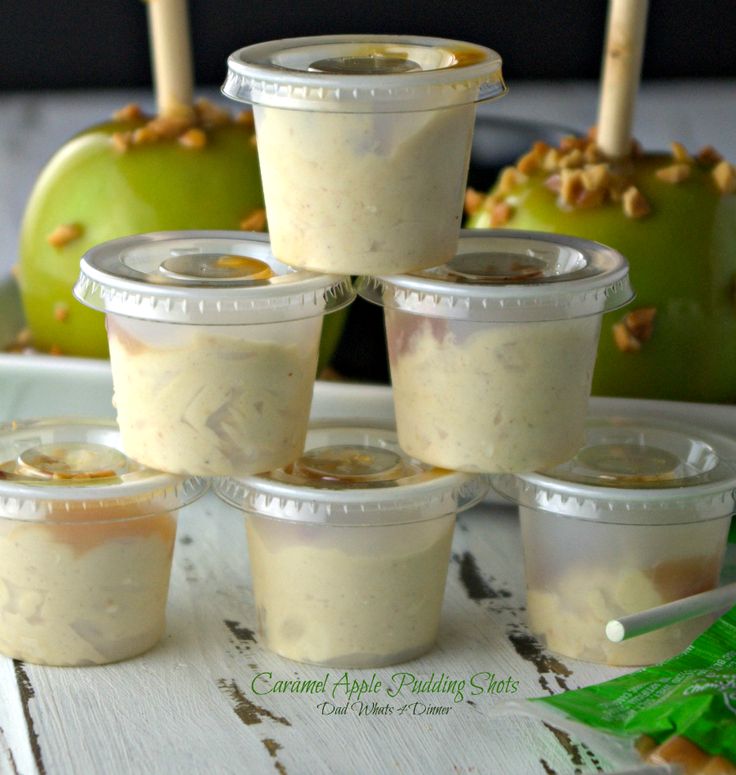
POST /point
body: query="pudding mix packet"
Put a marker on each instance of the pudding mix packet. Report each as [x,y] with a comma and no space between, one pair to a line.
[679,714]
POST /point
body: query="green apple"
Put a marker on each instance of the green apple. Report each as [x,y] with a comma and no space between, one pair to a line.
[682,256]
[102,192]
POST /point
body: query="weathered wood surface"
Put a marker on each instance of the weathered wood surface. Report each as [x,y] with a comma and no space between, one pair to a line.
[189,704]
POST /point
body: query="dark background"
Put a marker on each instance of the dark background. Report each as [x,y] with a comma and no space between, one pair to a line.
[91,43]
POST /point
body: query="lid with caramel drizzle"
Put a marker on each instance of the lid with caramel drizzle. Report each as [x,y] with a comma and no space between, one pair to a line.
[53,467]
[510,276]
[354,475]
[364,73]
[636,471]
[204,278]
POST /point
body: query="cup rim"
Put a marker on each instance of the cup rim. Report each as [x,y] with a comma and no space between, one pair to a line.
[602,285]
[144,486]
[701,501]
[255,76]
[107,284]
[449,493]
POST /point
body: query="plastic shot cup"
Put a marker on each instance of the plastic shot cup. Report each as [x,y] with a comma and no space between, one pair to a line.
[492,354]
[213,347]
[349,548]
[638,518]
[364,143]
[86,541]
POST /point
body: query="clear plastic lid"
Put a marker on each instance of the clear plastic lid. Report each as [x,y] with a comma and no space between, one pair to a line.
[511,276]
[52,466]
[204,278]
[354,476]
[364,73]
[635,472]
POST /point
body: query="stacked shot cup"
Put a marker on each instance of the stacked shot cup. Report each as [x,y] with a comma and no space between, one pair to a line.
[364,145]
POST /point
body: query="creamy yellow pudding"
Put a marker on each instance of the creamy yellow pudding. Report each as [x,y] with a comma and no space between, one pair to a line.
[349,547]
[504,397]
[81,591]
[86,542]
[213,404]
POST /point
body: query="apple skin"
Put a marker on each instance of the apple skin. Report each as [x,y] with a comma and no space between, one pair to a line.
[110,194]
[682,260]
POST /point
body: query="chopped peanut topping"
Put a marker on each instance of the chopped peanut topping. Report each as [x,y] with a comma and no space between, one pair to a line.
[168,127]
[709,155]
[574,158]
[675,173]
[193,138]
[64,234]
[582,177]
[634,203]
[255,221]
[509,178]
[624,339]
[596,176]
[575,192]
[15,271]
[187,124]
[131,112]
[121,141]
[551,161]
[491,201]
[209,114]
[528,163]
[253,140]
[473,201]
[571,186]
[144,135]
[55,350]
[539,149]
[680,154]
[724,177]
[634,329]
[61,311]
[640,322]
[501,214]
[593,154]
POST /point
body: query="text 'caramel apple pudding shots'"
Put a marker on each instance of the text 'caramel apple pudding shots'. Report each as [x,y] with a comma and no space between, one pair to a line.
[349,547]
[86,541]
[213,347]
[492,353]
[364,144]
[638,518]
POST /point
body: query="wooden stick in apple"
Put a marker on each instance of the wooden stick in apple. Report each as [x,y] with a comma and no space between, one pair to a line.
[171,53]
[621,73]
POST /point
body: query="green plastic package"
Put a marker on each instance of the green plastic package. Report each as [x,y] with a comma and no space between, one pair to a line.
[690,696]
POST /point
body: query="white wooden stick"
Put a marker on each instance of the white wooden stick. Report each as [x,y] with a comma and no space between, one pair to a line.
[168,27]
[621,73]
[715,600]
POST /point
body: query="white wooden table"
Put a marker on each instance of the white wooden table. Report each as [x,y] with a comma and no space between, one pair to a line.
[193,704]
